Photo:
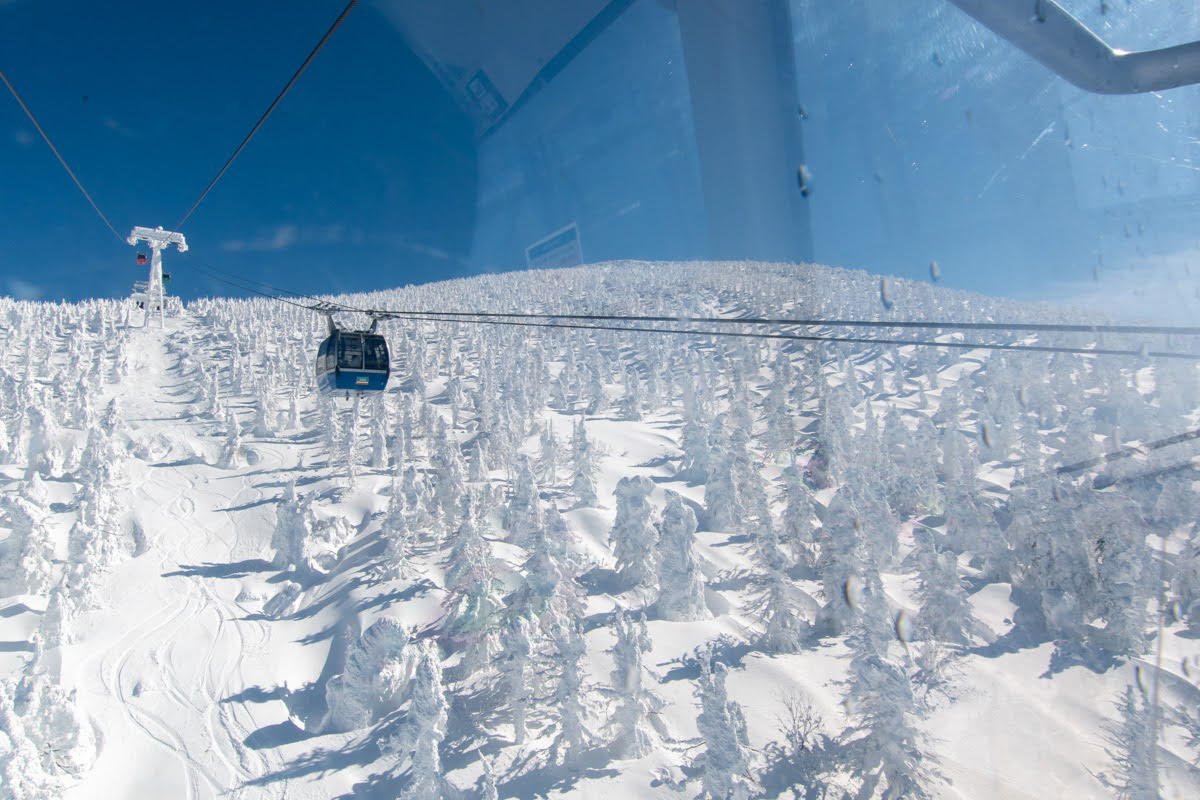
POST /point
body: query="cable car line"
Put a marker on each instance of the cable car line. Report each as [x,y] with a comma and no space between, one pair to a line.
[328,307]
[1033,327]
[1128,451]
[808,338]
[835,323]
[209,269]
[58,155]
[337,23]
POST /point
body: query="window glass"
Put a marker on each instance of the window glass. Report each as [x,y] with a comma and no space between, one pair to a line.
[350,354]
[376,356]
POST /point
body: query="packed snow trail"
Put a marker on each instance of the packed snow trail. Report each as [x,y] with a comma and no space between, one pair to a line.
[176,640]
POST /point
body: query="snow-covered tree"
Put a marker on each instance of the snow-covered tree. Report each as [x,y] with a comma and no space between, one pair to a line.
[777,604]
[22,770]
[633,537]
[694,466]
[515,672]
[796,531]
[583,463]
[424,728]
[945,612]
[293,526]
[569,693]
[473,599]
[632,731]
[884,745]
[376,667]
[842,558]
[724,764]
[230,457]
[449,478]
[549,456]
[1133,748]
[549,593]
[681,583]
[524,512]
[29,550]
[722,499]
[395,534]
[1185,583]
[631,403]
[44,452]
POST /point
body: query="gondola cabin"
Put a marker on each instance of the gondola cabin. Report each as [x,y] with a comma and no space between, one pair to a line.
[353,361]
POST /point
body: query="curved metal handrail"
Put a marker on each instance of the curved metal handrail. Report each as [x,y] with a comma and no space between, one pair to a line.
[1048,33]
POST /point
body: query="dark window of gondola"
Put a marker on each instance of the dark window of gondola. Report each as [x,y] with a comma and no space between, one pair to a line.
[350,354]
[376,353]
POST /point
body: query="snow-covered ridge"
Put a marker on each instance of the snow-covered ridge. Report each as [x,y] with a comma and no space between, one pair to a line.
[590,562]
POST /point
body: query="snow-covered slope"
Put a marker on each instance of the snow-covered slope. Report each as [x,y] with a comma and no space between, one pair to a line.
[592,563]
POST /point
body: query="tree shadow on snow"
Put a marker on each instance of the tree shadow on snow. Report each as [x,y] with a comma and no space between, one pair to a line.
[235,569]
[323,760]
[1028,631]
[187,461]
[277,735]
[724,650]
[15,609]
[1069,653]
[302,481]
[266,500]
[601,581]
[257,694]
[541,780]
[387,599]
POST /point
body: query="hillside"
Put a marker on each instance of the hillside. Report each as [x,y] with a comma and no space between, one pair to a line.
[594,563]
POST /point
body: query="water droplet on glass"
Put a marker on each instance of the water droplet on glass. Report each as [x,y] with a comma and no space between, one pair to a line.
[1140,675]
[1022,398]
[1186,666]
[904,627]
[852,590]
[935,272]
[804,178]
[1057,496]
[849,705]
[1176,612]
[1144,350]
[985,434]
[885,295]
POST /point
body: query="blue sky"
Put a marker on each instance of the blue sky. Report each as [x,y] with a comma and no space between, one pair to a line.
[363,177]
[927,139]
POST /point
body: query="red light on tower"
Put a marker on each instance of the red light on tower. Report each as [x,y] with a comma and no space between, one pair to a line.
[141,258]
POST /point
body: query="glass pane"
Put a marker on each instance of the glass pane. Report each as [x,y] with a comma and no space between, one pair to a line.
[350,354]
[376,356]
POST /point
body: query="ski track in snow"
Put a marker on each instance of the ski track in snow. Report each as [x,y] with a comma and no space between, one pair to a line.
[191,719]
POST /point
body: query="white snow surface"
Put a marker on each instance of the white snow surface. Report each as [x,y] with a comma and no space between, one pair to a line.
[194,663]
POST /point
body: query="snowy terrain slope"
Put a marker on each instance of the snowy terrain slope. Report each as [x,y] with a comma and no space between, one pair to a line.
[593,563]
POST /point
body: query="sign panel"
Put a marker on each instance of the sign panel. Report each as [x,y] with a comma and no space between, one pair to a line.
[559,249]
